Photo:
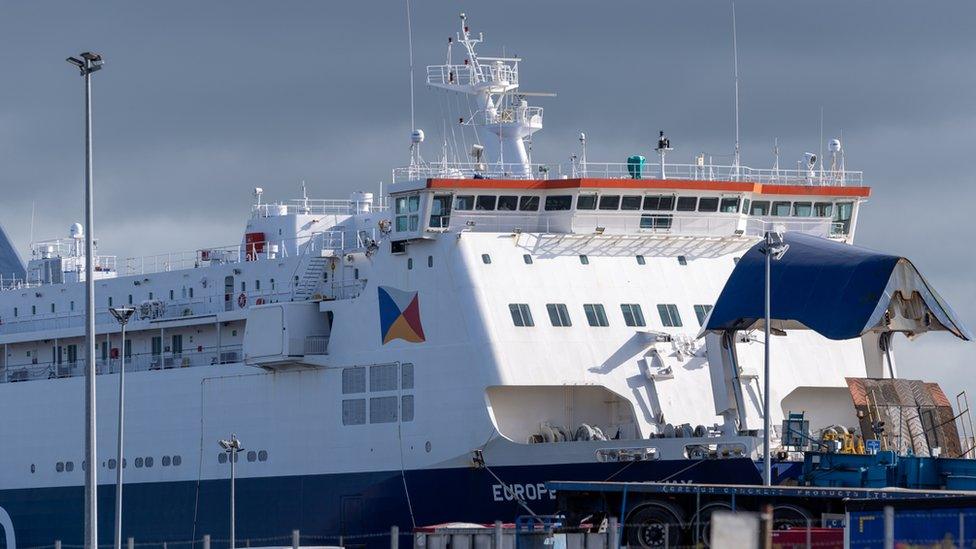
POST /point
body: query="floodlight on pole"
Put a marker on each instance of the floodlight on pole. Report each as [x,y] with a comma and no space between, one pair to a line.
[89,63]
[231,447]
[774,249]
[122,315]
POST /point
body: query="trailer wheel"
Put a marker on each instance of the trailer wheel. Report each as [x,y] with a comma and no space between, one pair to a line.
[790,516]
[703,520]
[655,525]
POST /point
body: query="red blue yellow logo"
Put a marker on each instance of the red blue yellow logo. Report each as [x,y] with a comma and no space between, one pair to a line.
[399,315]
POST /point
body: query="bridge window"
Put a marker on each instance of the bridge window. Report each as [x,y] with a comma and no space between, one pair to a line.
[687,203]
[843,214]
[633,316]
[781,209]
[730,205]
[822,209]
[464,202]
[630,203]
[610,202]
[701,311]
[586,202]
[708,204]
[669,315]
[559,202]
[659,203]
[486,202]
[440,211]
[596,315]
[558,315]
[507,203]
[521,315]
[529,203]
[802,209]
[760,207]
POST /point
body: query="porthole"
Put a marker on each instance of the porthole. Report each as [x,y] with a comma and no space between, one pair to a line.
[33,468]
[486,259]
[165,461]
[527,258]
[177,460]
[138,463]
[682,260]
[112,463]
[584,259]
[252,456]
[263,455]
[149,462]
[222,457]
[69,466]
[641,260]
[59,467]
[427,446]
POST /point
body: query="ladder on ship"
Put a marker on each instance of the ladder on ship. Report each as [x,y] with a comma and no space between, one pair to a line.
[312,270]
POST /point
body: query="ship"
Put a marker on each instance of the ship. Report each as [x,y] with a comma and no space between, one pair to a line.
[436,352]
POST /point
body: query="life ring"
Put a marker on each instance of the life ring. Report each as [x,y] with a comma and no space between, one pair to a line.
[242,300]
[259,301]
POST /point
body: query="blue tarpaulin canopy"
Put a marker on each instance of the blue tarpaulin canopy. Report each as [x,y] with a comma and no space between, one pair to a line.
[838,290]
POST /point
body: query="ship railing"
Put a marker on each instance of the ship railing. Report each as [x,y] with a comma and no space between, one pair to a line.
[623,170]
[500,74]
[136,362]
[509,114]
[318,207]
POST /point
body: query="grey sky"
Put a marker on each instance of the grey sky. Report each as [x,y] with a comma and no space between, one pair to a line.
[201,101]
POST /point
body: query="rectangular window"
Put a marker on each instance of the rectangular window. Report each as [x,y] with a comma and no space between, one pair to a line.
[406,376]
[528,203]
[630,203]
[383,409]
[354,412]
[656,221]
[760,207]
[464,202]
[559,202]
[687,203]
[401,204]
[414,203]
[586,202]
[507,203]
[383,377]
[659,203]
[440,211]
[708,204]
[610,202]
[72,354]
[353,380]
[178,344]
[105,350]
[822,209]
[157,345]
[669,315]
[128,349]
[802,209]
[701,311]
[595,315]
[730,205]
[486,203]
[521,315]
[558,315]
[633,316]
[745,205]
[781,209]
[843,214]
[406,407]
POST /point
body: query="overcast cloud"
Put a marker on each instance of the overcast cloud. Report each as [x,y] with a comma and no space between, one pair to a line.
[200,102]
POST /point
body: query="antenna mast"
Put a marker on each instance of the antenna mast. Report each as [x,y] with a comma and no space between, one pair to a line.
[735,75]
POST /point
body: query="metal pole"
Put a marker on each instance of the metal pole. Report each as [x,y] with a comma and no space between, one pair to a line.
[767,465]
[394,537]
[91,478]
[119,453]
[889,527]
[233,456]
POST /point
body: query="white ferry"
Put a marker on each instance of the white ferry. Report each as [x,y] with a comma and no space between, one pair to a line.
[435,353]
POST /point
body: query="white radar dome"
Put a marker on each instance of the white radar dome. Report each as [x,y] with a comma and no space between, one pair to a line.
[417,136]
[77,230]
[835,145]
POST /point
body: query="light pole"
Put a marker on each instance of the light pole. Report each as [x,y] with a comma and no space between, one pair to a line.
[774,249]
[232,447]
[121,314]
[89,63]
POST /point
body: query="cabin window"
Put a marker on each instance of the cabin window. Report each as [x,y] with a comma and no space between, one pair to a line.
[521,315]
[633,316]
[72,305]
[257,285]
[760,207]
[843,213]
[486,202]
[781,209]
[507,203]
[383,409]
[151,294]
[353,412]
[486,259]
[659,203]
[802,209]
[682,260]
[52,307]
[822,209]
[669,315]
[630,203]
[33,309]
[105,350]
[430,262]
[527,258]
[584,259]
[687,203]
[558,315]
[529,203]
[559,202]
[440,211]
[641,260]
[586,202]
[409,263]
[464,202]
[610,202]
[701,311]
[15,311]
[191,289]
[157,345]
[708,204]
[72,354]
[745,205]
[729,205]
[596,315]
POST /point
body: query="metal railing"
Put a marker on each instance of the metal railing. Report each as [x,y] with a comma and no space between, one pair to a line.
[316,345]
[472,74]
[318,207]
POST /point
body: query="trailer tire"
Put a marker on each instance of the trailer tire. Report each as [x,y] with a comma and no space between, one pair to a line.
[787,515]
[651,524]
[703,519]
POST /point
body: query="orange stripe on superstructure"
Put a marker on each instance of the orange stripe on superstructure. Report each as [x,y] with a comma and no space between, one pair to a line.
[647,184]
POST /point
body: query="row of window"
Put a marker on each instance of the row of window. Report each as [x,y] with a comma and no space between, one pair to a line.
[381,408]
[430,262]
[112,463]
[584,259]
[251,456]
[596,314]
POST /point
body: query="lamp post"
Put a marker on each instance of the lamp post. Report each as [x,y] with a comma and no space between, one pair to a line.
[122,315]
[231,447]
[774,249]
[89,63]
